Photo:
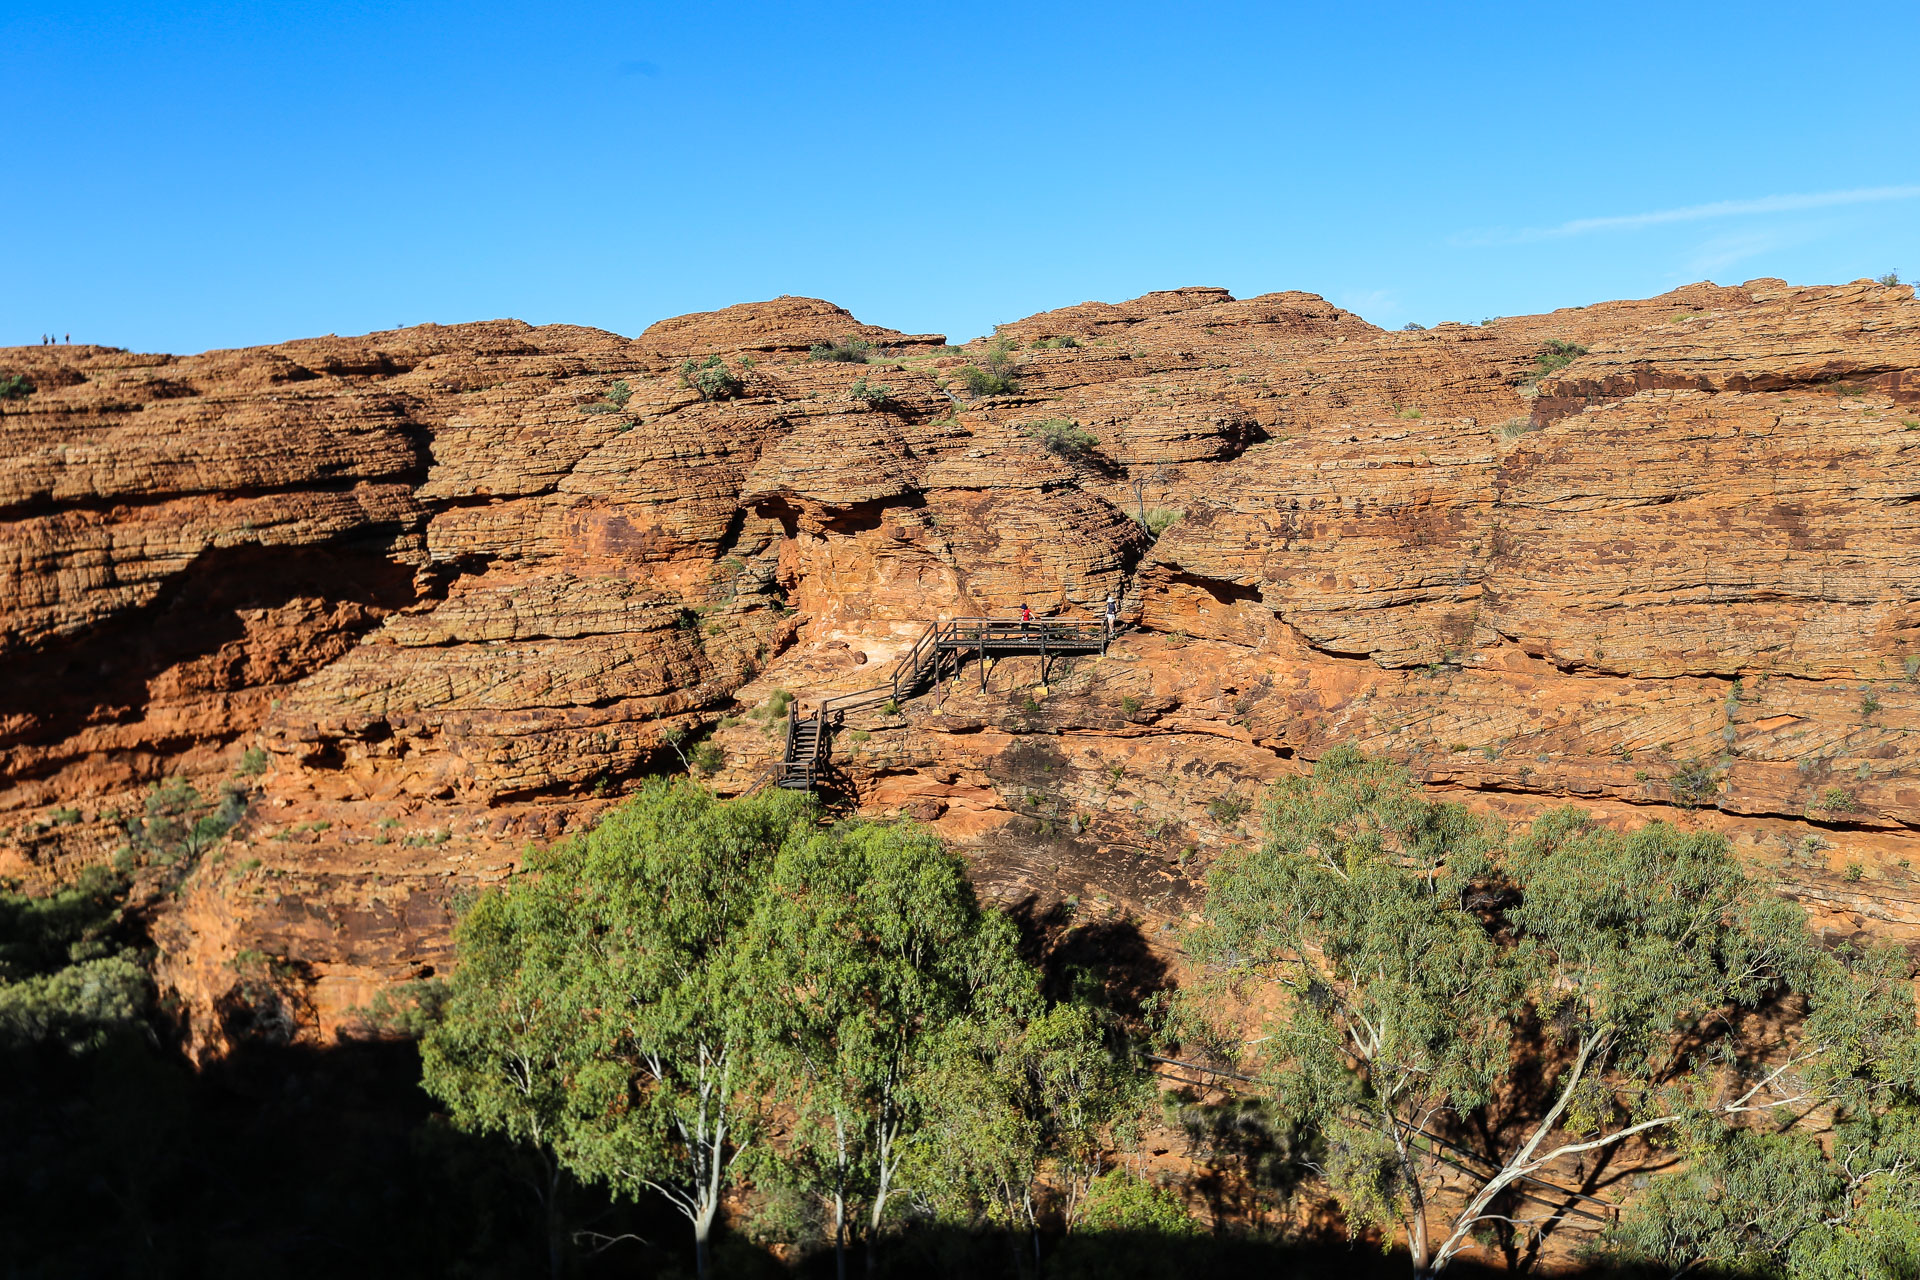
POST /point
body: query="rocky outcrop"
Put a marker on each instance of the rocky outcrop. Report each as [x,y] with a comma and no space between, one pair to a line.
[430,595]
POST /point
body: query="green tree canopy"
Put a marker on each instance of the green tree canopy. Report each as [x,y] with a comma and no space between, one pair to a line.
[634,1001]
[594,1009]
[1409,954]
[67,974]
[867,946]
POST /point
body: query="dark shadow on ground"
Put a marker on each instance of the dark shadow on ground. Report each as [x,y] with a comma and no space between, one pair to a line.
[330,1162]
[292,1161]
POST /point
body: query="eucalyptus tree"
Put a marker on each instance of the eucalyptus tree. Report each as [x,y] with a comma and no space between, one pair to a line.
[661,893]
[596,1012]
[1027,1099]
[1408,955]
[503,1051]
[1760,1202]
[867,946]
[1395,1006]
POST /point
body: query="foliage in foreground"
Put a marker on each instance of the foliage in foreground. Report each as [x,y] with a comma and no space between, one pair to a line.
[1567,992]
[641,1004]
[67,977]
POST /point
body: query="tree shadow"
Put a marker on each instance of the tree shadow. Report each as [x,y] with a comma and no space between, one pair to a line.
[281,1161]
[1106,963]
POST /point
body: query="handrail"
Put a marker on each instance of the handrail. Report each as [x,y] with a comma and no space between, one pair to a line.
[907,664]
[904,677]
[923,658]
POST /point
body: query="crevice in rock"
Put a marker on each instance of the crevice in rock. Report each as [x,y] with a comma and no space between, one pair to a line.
[105,674]
[43,505]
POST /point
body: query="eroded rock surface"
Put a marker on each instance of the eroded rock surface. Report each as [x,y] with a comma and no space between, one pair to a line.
[434,594]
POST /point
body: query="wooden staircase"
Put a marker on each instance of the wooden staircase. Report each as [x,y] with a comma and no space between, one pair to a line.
[806,749]
[940,650]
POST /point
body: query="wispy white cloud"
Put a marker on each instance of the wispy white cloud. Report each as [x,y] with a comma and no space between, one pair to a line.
[1720,252]
[1377,302]
[1692,213]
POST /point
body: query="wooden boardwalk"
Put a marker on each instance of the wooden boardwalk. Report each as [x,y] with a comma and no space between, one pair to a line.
[941,649]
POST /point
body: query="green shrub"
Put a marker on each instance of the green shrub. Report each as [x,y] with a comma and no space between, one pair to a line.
[993,375]
[616,399]
[1064,342]
[1891,277]
[982,382]
[1869,703]
[65,977]
[842,351]
[1556,355]
[708,759]
[1159,520]
[1692,784]
[64,817]
[1129,705]
[253,762]
[1837,800]
[872,397]
[14,387]
[711,378]
[1119,1201]
[1063,438]
[1228,809]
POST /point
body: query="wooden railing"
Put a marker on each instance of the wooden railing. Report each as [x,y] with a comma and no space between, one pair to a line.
[941,644]
[802,762]
[923,660]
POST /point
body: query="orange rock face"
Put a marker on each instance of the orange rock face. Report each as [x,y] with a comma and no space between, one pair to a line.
[463,586]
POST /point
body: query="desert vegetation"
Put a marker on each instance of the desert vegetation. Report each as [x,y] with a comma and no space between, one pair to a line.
[1063,438]
[1404,1031]
[992,375]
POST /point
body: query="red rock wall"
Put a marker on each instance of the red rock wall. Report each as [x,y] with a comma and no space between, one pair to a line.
[459,595]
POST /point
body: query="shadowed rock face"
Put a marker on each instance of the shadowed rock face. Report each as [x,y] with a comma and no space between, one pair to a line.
[462,583]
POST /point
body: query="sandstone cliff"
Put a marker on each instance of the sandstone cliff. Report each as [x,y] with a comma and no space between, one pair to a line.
[446,591]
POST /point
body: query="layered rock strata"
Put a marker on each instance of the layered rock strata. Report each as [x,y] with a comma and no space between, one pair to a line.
[434,594]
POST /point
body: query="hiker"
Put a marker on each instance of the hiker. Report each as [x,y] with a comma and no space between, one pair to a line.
[1026,620]
[1113,614]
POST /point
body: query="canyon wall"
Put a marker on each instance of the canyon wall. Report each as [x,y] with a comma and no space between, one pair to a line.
[422,598]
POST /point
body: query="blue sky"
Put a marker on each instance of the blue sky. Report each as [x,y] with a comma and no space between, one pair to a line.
[189,177]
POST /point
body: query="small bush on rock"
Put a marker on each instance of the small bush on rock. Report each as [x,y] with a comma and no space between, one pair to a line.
[842,351]
[1062,438]
[1159,520]
[993,376]
[711,378]
[1556,355]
